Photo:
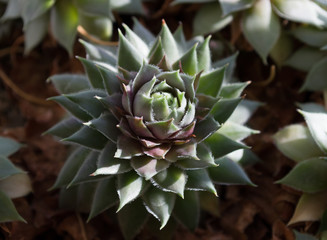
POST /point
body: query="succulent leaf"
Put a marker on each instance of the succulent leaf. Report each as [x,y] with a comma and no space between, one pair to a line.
[148,120]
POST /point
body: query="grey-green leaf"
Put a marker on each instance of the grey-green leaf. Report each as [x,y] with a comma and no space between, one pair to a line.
[105,197]
[172,179]
[308,176]
[296,142]
[317,123]
[209,19]
[261,27]
[130,185]
[303,11]
[69,83]
[229,172]
[8,146]
[7,168]
[71,167]
[64,22]
[160,204]
[132,218]
[315,80]
[305,58]
[7,210]
[187,210]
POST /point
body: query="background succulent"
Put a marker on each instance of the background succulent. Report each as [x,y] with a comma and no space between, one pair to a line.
[64,17]
[14,182]
[151,125]
[261,22]
[306,145]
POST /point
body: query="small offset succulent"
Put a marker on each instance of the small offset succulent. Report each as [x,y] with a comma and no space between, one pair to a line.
[14,182]
[151,128]
[64,16]
[261,21]
[307,145]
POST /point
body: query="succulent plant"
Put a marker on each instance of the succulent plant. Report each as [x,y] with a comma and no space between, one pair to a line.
[64,16]
[14,182]
[260,21]
[306,145]
[151,128]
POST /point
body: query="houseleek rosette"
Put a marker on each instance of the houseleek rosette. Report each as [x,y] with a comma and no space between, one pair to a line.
[147,127]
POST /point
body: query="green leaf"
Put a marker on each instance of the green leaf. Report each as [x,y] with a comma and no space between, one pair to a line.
[244,157]
[209,19]
[64,22]
[160,204]
[16,186]
[305,58]
[234,6]
[148,167]
[13,10]
[92,73]
[199,180]
[88,102]
[233,90]
[172,179]
[35,30]
[303,236]
[261,28]
[223,109]
[191,1]
[85,137]
[65,128]
[99,53]
[244,111]
[210,83]
[71,107]
[142,32]
[282,49]
[7,210]
[188,62]
[78,198]
[136,41]
[97,26]
[296,142]
[204,55]
[308,176]
[303,11]
[221,145]
[109,79]
[310,35]
[169,44]
[108,164]
[132,218]
[69,83]
[35,8]
[228,172]
[107,125]
[85,170]
[7,168]
[129,187]
[71,167]
[187,210]
[236,131]
[209,203]
[91,7]
[315,80]
[317,123]
[127,6]
[105,197]
[310,207]
[128,56]
[8,146]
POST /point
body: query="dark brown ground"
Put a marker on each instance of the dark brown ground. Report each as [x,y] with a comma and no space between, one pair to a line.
[245,212]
